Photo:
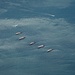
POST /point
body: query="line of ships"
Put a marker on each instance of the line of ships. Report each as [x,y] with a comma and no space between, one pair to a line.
[32,43]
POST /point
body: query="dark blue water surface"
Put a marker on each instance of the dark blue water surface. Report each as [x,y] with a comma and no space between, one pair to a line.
[48,22]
